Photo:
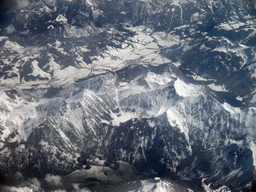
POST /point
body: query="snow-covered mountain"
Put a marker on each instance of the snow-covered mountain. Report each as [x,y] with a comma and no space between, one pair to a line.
[110,94]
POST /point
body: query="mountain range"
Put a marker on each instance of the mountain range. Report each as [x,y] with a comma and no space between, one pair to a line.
[128,95]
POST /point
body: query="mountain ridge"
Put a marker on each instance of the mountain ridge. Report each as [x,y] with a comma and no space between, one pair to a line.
[165,86]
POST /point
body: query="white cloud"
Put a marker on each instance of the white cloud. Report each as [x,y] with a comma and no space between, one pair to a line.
[10,29]
[35,183]
[53,179]
[16,189]
[20,4]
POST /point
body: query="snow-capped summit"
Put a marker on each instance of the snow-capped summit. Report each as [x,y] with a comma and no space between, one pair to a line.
[115,93]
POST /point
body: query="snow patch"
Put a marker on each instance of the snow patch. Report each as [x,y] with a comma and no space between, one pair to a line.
[13,46]
[231,109]
[195,17]
[239,143]
[239,98]
[3,38]
[69,75]
[50,27]
[38,72]
[253,149]
[151,124]
[165,39]
[225,26]
[59,48]
[175,120]
[208,188]
[122,117]
[158,79]
[19,116]
[184,89]
[131,89]
[142,46]
[53,66]
[217,87]
[61,19]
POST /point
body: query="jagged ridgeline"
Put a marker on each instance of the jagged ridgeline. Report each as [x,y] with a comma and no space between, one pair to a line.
[127,95]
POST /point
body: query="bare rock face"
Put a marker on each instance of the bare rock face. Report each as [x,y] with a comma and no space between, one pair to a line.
[95,94]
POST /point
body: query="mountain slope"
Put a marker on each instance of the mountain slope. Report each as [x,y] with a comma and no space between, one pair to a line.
[165,86]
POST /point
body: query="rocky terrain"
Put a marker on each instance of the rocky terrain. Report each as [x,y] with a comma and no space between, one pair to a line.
[122,95]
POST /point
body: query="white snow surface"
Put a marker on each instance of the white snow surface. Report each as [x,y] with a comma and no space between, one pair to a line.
[13,46]
[215,87]
[253,148]
[185,90]
[37,71]
[3,38]
[207,188]
[142,48]
[176,120]
[122,117]
[61,19]
[157,80]
[161,186]
[232,110]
